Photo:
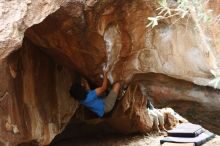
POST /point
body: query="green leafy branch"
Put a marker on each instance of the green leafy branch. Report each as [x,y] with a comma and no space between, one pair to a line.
[180,10]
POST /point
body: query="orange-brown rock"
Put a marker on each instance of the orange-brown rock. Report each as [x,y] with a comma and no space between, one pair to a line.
[67,36]
[197,104]
[16,16]
[34,101]
[130,114]
[83,37]
[114,33]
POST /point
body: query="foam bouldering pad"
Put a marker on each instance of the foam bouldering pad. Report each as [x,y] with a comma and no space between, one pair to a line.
[199,140]
[186,130]
[177,144]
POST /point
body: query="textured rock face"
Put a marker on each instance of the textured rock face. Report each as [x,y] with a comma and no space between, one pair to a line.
[34,101]
[131,111]
[197,104]
[72,40]
[85,36]
[176,50]
[16,16]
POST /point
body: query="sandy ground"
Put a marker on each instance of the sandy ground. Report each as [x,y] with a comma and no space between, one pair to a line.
[138,140]
[82,134]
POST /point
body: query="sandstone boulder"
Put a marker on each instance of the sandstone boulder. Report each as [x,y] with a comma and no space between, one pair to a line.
[169,63]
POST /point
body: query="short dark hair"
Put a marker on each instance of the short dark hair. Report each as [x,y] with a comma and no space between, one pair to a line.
[77,91]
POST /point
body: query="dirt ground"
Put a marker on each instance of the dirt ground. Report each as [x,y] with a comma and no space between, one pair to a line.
[135,140]
[85,134]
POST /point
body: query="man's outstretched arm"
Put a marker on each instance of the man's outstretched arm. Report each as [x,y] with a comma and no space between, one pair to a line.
[102,89]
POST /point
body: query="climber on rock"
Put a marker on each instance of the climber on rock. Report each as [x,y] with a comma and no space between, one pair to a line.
[156,116]
[93,99]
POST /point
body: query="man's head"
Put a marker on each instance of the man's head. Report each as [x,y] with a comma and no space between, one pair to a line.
[77,91]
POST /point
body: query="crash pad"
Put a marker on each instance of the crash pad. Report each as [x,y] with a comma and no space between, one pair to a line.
[186,130]
[177,144]
[200,139]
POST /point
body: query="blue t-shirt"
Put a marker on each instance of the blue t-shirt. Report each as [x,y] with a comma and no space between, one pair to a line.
[94,103]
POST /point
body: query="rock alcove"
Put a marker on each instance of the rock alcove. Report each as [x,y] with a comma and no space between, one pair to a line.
[168,63]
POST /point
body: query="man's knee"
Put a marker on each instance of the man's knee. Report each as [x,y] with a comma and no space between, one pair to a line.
[116,87]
